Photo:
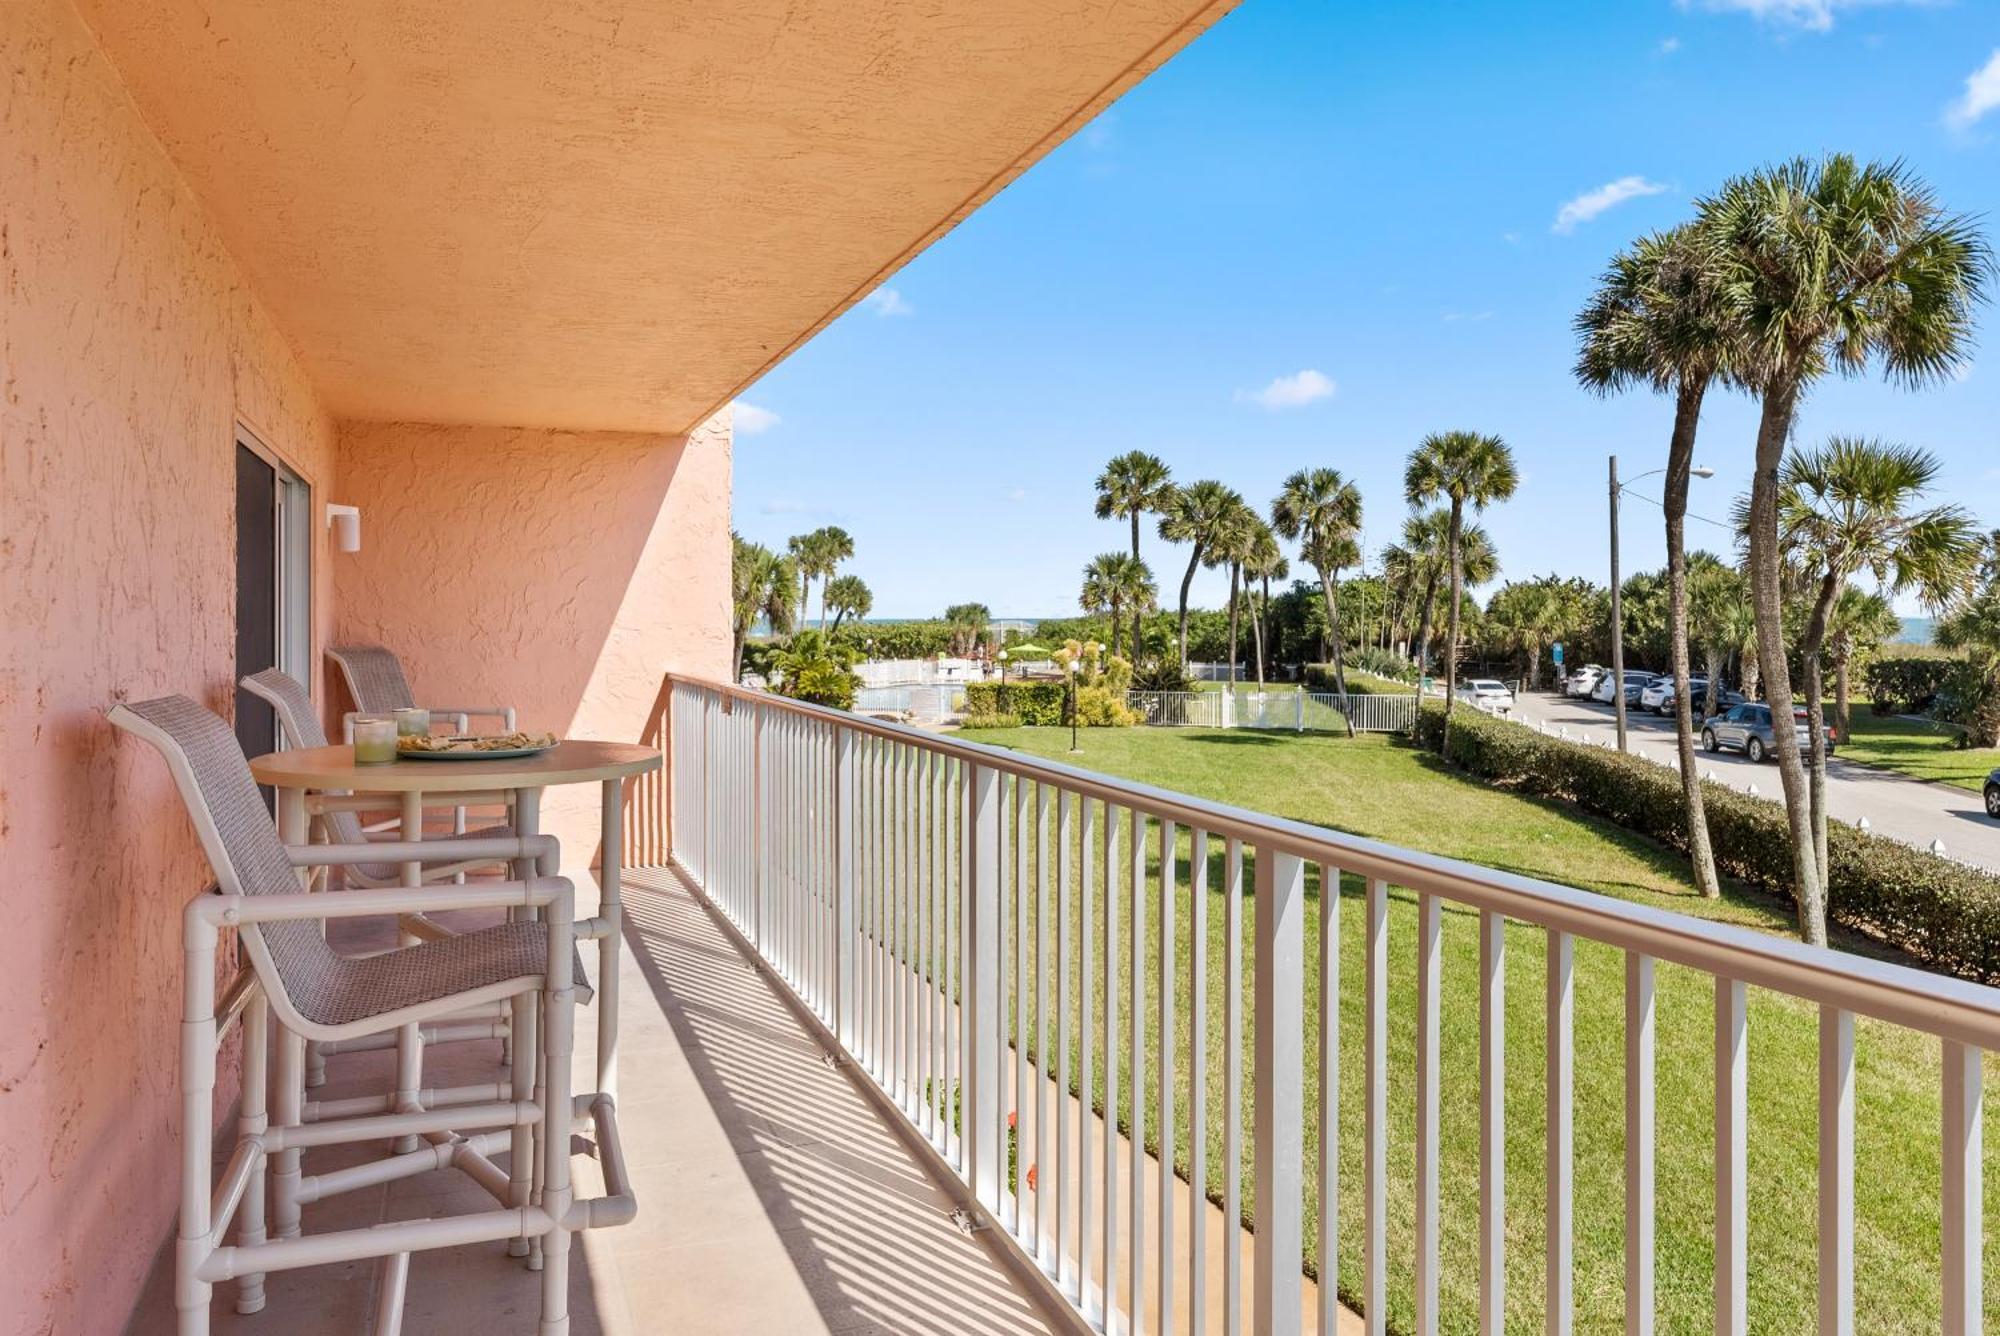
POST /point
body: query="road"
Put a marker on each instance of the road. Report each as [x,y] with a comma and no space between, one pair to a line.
[1907,809]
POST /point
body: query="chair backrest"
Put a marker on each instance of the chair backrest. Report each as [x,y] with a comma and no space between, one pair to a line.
[236,832]
[374,678]
[289,699]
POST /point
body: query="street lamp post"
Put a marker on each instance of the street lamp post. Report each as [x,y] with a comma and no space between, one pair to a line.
[1071,667]
[1617,605]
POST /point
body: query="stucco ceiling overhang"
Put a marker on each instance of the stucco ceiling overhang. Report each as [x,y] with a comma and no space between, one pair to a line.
[606,214]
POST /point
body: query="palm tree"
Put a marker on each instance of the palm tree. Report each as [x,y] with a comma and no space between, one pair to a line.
[1827,266]
[849,597]
[1263,561]
[817,555]
[1232,547]
[1974,630]
[1531,615]
[1844,508]
[965,625]
[761,584]
[1658,319]
[1427,539]
[1196,514]
[1861,621]
[1115,583]
[1323,511]
[1463,468]
[1723,623]
[1132,485]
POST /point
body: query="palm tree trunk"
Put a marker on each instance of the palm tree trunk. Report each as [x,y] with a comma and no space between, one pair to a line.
[1424,622]
[1135,533]
[1680,458]
[1329,589]
[1263,613]
[736,654]
[1117,623]
[1843,716]
[1257,634]
[1186,580]
[1774,428]
[1810,645]
[1451,641]
[1234,572]
[1716,661]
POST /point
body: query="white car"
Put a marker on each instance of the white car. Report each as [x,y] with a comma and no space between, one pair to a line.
[1584,681]
[1484,693]
[1659,694]
[1635,682]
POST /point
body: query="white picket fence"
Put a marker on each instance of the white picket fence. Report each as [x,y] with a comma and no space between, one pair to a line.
[1293,710]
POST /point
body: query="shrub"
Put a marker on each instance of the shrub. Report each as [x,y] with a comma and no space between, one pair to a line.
[1942,913]
[1162,674]
[1360,682]
[991,721]
[1912,684]
[1034,703]
[1382,663]
[1101,707]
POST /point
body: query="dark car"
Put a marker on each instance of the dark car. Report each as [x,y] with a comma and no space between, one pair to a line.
[1993,794]
[1747,727]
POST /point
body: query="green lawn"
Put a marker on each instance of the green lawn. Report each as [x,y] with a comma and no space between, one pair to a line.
[1921,750]
[1384,789]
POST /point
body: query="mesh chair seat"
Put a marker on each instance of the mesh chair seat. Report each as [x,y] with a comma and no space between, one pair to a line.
[356,988]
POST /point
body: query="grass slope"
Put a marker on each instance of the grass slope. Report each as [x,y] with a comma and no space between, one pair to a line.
[1918,749]
[1383,789]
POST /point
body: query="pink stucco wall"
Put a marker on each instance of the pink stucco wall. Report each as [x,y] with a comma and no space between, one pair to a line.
[130,347]
[558,572]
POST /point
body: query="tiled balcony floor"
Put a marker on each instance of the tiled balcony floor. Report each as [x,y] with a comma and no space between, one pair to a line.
[772,1197]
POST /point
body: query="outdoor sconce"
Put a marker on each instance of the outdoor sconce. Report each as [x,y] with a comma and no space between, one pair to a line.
[346,522]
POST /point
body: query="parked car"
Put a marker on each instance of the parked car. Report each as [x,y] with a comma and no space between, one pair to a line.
[1487,694]
[1635,682]
[1747,728]
[1659,694]
[1584,680]
[1993,794]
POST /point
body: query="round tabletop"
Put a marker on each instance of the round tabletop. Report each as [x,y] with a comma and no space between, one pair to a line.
[568,762]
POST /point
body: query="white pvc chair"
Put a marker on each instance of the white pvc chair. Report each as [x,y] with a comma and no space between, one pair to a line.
[316,993]
[339,813]
[376,684]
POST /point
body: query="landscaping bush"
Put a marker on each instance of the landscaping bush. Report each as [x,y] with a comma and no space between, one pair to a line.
[1911,684]
[991,721]
[1360,682]
[1034,703]
[1382,663]
[1943,913]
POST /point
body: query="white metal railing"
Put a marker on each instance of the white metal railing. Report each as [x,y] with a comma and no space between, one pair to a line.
[1295,710]
[984,931]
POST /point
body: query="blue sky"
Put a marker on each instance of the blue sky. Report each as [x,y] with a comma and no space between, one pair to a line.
[1325,230]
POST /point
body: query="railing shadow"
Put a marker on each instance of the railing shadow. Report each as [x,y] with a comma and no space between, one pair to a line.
[862,1223]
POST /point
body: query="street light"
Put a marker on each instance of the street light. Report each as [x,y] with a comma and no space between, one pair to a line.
[1617,604]
[1071,667]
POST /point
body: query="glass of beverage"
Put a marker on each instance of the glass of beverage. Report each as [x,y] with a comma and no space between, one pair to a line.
[374,740]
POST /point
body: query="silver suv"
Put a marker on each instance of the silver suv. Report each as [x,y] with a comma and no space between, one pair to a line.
[1747,728]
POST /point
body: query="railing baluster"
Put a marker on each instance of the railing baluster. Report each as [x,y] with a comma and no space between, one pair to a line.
[1639,1144]
[1086,1213]
[844,852]
[1329,1100]
[1963,1196]
[1064,806]
[928,1077]
[985,1142]
[1375,1132]
[1020,1100]
[1732,1061]
[1135,1251]
[1110,1267]
[1044,798]
[1279,1023]
[1492,1123]
[1836,1172]
[1169,876]
[955,903]
[1561,1006]
[1232,1088]
[1197,1081]
[1430,927]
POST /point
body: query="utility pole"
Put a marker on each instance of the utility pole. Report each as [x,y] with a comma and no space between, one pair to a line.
[1617,617]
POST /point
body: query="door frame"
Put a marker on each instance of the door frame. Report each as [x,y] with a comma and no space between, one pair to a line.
[297,505]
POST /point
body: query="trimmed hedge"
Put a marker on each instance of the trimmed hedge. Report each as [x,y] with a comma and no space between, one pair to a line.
[1360,682]
[1911,685]
[1037,703]
[1943,913]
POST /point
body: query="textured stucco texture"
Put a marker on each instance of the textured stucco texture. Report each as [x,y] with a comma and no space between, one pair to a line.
[130,348]
[611,214]
[561,573]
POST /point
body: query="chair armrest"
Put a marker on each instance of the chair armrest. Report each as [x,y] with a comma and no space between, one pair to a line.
[544,849]
[504,713]
[229,910]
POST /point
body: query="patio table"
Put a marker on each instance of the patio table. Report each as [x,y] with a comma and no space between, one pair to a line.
[333,769]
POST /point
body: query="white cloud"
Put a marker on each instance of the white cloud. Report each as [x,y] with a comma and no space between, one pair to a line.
[1454,317]
[1981,95]
[1018,494]
[1511,238]
[1810,15]
[751,419]
[1607,196]
[1668,45]
[783,505]
[888,301]
[1294,391]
